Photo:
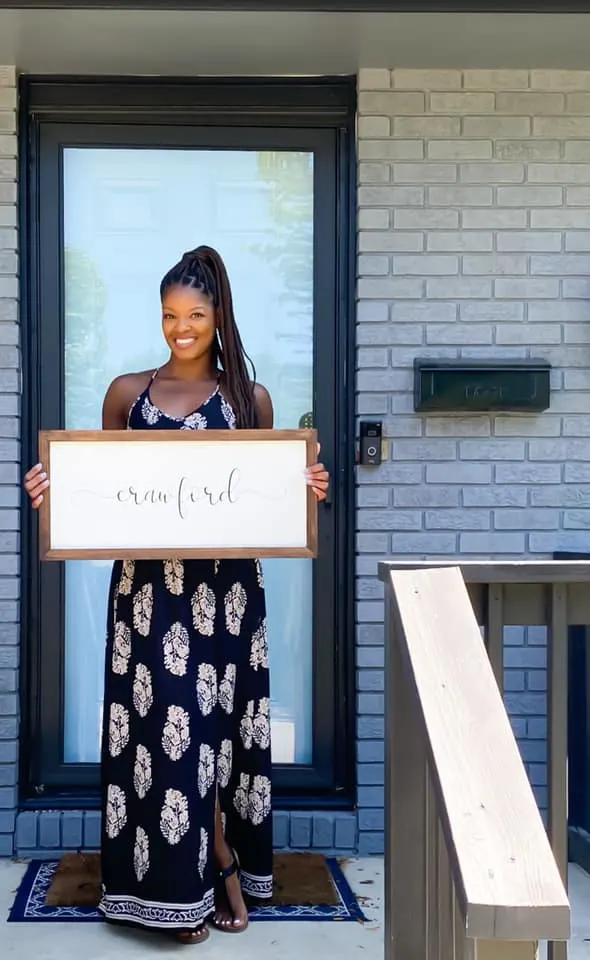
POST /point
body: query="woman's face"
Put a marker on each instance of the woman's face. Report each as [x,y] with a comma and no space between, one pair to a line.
[188,322]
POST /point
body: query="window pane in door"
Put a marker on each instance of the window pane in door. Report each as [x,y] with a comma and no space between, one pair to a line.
[129,214]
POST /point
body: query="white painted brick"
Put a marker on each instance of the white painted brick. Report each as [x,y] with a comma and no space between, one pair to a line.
[559,173]
[459,196]
[374,173]
[530,104]
[7,121]
[391,150]
[7,168]
[492,172]
[423,312]
[371,311]
[562,128]
[391,241]
[369,79]
[425,265]
[529,150]
[497,127]
[493,219]
[472,426]
[374,127]
[485,544]
[427,127]
[459,149]
[564,80]
[416,219]
[518,426]
[390,289]
[523,241]
[457,333]
[566,264]
[391,104]
[526,289]
[466,288]
[427,496]
[427,544]
[391,196]
[8,145]
[578,103]
[373,266]
[491,312]
[494,496]
[529,333]
[496,79]
[463,473]
[457,519]
[530,196]
[482,265]
[559,219]
[425,173]
[373,219]
[577,196]
[454,104]
[479,241]
[578,289]
[427,79]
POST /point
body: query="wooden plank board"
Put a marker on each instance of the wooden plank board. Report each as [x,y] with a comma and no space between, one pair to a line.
[500,571]
[505,874]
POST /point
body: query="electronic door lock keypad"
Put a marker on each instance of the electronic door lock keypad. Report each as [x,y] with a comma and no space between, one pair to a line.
[370,452]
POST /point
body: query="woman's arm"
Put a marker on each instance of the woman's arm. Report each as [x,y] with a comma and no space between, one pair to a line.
[263,407]
[119,398]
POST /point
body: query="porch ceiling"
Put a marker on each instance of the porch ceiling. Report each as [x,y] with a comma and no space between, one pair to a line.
[256,43]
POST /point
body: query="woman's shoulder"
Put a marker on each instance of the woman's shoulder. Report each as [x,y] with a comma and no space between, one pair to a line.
[130,383]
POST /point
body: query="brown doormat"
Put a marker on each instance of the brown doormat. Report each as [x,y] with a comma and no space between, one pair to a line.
[300,880]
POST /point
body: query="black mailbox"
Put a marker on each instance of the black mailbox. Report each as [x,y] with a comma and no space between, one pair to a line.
[478,385]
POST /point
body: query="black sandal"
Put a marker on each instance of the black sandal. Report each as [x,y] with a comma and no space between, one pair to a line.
[222,898]
[192,936]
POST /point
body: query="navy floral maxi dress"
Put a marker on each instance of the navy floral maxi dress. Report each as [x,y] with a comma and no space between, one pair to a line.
[186,720]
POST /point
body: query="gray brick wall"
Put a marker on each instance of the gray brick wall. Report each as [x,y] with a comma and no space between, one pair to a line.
[9,462]
[474,240]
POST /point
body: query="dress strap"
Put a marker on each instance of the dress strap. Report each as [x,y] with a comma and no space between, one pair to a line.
[154,374]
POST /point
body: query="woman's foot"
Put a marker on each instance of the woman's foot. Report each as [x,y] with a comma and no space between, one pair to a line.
[231,913]
[196,935]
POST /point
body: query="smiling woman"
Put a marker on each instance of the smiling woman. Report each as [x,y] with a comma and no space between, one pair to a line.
[177,850]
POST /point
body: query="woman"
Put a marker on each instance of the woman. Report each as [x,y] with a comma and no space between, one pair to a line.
[186,763]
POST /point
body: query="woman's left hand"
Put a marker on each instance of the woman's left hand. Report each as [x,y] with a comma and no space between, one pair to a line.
[318,479]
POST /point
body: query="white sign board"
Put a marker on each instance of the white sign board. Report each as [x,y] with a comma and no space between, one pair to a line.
[161,494]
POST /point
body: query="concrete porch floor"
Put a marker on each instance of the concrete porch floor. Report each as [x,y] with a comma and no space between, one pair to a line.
[290,941]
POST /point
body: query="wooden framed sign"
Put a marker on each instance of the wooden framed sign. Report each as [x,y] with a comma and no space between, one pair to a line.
[135,494]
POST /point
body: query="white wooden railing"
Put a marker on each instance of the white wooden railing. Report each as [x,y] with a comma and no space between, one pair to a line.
[470,873]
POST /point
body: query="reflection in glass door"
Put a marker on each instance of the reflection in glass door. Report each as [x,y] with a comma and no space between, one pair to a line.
[128,215]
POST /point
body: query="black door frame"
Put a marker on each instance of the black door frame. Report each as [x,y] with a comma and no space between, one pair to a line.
[221,114]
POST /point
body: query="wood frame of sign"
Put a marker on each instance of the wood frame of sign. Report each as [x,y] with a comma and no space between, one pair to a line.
[253,485]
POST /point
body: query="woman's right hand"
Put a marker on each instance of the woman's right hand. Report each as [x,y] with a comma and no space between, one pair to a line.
[35,483]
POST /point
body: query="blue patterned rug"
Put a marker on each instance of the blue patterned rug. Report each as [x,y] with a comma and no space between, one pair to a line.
[29,905]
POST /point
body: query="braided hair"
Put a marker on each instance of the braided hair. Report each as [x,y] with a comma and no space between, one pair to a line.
[204,270]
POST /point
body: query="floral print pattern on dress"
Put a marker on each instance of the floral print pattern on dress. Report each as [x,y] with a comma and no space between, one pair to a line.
[121,648]
[261,725]
[143,605]
[174,818]
[259,648]
[253,802]
[126,579]
[235,608]
[259,800]
[224,763]
[206,775]
[228,413]
[203,847]
[174,576]
[118,729]
[227,688]
[176,736]
[116,811]
[176,649]
[207,688]
[195,421]
[149,412]
[247,726]
[142,772]
[259,574]
[141,854]
[143,696]
[203,608]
